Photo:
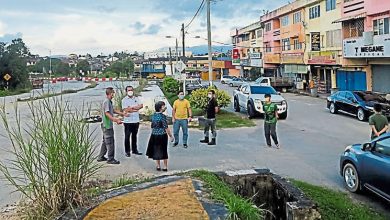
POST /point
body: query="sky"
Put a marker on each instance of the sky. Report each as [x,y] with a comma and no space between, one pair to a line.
[103,27]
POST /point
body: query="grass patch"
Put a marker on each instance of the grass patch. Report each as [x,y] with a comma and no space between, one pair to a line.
[125,180]
[336,205]
[227,119]
[239,208]
[67,91]
[4,93]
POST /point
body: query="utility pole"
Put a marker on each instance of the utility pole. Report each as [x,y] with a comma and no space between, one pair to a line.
[209,44]
[184,38]
[184,56]
[48,86]
[170,59]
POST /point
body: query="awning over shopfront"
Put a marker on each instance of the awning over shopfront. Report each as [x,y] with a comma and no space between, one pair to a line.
[353,17]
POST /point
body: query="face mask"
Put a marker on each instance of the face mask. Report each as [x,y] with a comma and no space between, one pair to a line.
[130,93]
[181,97]
[210,96]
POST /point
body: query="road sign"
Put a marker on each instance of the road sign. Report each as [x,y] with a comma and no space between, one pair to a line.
[7,77]
[180,66]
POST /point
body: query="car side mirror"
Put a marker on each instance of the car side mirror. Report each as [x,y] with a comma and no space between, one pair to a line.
[279,93]
[367,147]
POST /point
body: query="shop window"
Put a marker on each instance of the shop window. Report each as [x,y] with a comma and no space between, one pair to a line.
[314,12]
[267,48]
[268,26]
[333,38]
[381,26]
[286,44]
[297,44]
[330,5]
[259,33]
[297,17]
[354,28]
[284,20]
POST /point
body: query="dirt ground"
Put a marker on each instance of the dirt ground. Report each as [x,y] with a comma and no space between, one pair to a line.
[175,200]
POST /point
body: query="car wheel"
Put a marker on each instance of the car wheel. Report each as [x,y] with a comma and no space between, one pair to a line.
[361,115]
[332,108]
[250,111]
[236,105]
[351,178]
[283,115]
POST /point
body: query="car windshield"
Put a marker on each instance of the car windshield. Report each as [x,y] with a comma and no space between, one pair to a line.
[262,90]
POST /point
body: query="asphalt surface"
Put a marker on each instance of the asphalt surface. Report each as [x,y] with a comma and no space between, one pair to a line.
[311,142]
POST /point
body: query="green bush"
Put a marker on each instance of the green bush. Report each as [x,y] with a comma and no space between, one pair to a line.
[199,98]
[171,85]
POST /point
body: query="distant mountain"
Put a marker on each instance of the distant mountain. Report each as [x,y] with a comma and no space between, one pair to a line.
[203,49]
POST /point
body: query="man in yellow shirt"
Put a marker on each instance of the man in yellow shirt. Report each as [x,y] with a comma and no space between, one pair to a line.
[181,115]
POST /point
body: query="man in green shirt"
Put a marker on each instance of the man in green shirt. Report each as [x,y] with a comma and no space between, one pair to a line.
[378,122]
[270,118]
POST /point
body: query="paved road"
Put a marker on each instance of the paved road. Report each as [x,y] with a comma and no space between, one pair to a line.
[311,139]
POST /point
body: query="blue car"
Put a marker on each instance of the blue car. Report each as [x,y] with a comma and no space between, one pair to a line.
[357,103]
[367,166]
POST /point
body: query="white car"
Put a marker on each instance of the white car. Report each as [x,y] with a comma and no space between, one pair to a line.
[226,79]
[251,98]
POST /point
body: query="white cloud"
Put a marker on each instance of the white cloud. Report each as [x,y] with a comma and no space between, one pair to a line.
[2,29]
[108,29]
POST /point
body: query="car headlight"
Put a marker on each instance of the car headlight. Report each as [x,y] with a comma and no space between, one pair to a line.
[348,148]
[370,108]
[284,102]
[258,102]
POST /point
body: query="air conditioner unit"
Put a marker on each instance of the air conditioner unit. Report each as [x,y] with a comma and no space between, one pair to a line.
[368,38]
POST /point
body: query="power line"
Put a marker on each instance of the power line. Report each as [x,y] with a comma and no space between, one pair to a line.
[196,14]
[249,47]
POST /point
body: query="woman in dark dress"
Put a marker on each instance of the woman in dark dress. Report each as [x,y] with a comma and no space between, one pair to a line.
[158,142]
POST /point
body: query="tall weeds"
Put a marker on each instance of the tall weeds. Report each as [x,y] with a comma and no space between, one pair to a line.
[51,156]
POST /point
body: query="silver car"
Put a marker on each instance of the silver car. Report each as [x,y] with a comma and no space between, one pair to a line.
[236,82]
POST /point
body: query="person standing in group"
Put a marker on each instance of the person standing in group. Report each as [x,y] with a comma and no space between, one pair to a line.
[108,128]
[210,122]
[270,119]
[158,142]
[131,105]
[181,115]
[378,122]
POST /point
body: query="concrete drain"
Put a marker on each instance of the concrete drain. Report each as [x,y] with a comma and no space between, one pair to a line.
[273,193]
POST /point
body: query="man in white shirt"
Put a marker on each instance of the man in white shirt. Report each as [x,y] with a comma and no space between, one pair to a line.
[131,105]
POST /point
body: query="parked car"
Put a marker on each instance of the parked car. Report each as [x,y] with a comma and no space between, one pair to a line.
[226,79]
[366,166]
[251,98]
[280,84]
[236,82]
[194,84]
[357,103]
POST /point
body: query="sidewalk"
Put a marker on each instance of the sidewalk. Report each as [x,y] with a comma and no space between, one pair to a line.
[319,95]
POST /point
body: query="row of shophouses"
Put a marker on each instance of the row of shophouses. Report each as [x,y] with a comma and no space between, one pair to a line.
[339,44]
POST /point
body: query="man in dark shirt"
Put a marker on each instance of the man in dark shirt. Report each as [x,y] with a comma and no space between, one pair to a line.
[211,110]
[378,122]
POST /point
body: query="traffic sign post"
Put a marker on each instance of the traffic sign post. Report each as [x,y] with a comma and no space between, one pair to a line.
[181,66]
[7,77]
